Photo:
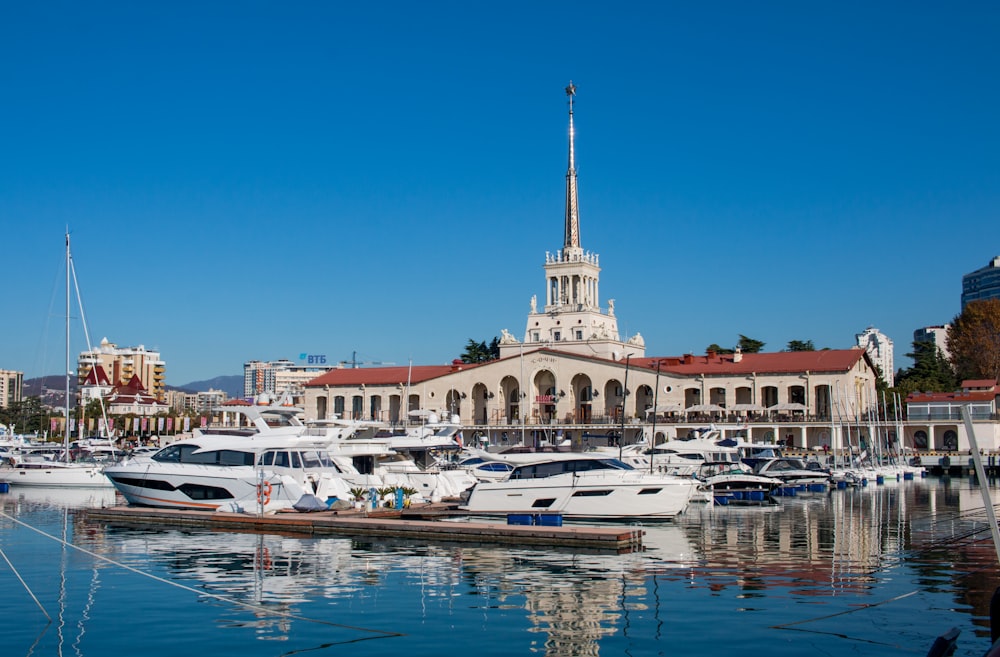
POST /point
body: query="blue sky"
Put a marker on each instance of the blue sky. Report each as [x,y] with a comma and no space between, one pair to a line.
[260,180]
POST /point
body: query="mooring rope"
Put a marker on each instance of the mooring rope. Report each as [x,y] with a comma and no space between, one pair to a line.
[214,596]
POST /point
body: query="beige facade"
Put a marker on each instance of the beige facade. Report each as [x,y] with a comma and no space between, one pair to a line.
[550,388]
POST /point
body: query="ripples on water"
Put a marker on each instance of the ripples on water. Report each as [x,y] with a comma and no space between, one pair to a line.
[877,571]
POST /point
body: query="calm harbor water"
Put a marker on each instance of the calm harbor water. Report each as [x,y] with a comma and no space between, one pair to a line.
[874,571]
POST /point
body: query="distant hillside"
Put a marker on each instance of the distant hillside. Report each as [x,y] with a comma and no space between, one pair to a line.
[231,385]
[52,388]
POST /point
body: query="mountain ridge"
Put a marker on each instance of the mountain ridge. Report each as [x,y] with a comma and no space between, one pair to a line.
[54,385]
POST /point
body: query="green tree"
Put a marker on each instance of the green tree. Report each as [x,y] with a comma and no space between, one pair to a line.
[800,345]
[931,371]
[974,341]
[717,349]
[480,352]
[27,415]
[749,345]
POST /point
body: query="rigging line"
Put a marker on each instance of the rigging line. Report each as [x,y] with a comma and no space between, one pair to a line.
[214,596]
[842,613]
[24,584]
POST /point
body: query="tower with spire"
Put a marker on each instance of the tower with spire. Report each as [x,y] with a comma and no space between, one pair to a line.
[571,319]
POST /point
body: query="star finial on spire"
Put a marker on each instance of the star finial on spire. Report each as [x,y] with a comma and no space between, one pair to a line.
[571,89]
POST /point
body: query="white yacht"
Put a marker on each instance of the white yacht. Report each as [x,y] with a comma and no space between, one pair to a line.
[25,471]
[791,471]
[583,486]
[71,474]
[736,482]
[423,458]
[264,468]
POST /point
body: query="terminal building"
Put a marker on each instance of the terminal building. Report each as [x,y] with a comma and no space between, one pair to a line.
[572,375]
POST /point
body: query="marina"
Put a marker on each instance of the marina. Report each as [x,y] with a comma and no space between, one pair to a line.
[563,489]
[880,570]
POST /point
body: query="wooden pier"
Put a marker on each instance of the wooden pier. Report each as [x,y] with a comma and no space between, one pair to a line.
[388,524]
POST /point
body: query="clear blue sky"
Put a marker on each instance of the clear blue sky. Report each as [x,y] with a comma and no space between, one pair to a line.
[249,180]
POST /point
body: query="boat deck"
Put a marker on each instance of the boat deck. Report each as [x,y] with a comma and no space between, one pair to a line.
[388,524]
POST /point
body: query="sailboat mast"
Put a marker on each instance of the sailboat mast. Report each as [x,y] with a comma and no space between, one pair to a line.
[66,431]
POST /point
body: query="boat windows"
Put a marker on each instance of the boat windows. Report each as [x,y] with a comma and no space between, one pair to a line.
[155,484]
[267,458]
[189,454]
[650,491]
[281,459]
[173,453]
[310,460]
[543,503]
[296,461]
[592,493]
[198,492]
[496,467]
[233,457]
[553,468]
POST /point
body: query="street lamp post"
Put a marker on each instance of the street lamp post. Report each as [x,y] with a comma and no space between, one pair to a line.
[652,440]
[621,437]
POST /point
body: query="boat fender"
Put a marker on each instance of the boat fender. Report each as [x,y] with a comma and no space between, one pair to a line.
[264,492]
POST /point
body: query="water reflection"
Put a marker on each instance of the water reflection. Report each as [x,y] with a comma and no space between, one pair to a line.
[883,567]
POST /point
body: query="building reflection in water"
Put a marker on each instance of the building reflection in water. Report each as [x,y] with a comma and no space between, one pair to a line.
[813,546]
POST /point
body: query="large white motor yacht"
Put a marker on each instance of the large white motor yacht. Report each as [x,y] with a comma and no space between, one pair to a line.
[264,468]
[583,486]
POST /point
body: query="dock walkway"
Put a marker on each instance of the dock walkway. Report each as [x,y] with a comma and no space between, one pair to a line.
[325,523]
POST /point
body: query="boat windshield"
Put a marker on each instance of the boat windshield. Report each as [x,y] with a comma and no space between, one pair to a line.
[553,468]
[782,465]
[190,454]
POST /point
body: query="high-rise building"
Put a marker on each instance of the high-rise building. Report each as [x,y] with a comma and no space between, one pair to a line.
[982,284]
[936,335]
[120,364]
[277,377]
[879,348]
[11,386]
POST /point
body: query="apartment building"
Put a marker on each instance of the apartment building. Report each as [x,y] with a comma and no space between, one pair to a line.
[120,364]
[11,387]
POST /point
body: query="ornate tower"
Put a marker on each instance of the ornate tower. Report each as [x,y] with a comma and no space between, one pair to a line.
[572,319]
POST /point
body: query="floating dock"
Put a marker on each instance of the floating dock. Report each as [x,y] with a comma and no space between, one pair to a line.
[325,523]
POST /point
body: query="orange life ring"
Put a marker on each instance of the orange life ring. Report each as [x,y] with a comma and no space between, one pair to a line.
[264,492]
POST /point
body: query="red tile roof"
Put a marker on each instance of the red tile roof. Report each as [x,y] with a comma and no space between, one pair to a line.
[979,383]
[97,377]
[386,375]
[827,360]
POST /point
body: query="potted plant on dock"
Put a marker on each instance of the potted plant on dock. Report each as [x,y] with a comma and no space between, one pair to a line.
[407,493]
[358,494]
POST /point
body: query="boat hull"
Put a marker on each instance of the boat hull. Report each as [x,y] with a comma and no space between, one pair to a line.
[602,496]
[56,475]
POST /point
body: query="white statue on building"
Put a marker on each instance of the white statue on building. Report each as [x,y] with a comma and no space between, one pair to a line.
[611,307]
[506,337]
[534,303]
